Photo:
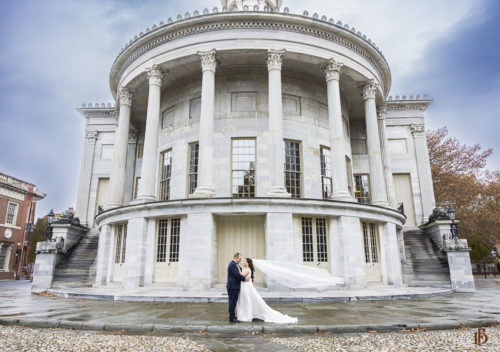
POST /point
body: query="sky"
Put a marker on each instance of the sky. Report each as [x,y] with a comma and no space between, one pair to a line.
[56,54]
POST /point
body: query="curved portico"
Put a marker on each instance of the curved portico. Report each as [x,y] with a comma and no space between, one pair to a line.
[252,130]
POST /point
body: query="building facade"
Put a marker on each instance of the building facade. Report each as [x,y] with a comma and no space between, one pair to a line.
[253,130]
[17,214]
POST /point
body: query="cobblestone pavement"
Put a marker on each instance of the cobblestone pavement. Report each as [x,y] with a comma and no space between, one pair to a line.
[26,339]
[449,340]
[23,339]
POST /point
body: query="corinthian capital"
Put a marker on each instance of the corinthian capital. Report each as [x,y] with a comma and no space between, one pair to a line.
[208,61]
[126,96]
[275,59]
[382,112]
[91,136]
[370,89]
[154,75]
[332,70]
[418,130]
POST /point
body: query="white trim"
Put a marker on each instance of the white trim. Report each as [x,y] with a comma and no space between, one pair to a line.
[11,226]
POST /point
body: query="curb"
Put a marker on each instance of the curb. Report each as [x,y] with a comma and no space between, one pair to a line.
[237,329]
[167,299]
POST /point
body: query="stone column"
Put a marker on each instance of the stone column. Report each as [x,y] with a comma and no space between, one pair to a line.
[424,171]
[150,157]
[377,178]
[277,175]
[82,202]
[206,144]
[340,188]
[117,178]
[386,157]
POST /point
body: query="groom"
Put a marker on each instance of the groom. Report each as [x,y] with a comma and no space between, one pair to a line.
[234,279]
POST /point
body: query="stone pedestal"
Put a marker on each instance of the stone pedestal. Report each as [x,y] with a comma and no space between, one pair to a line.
[389,250]
[46,260]
[457,251]
[461,276]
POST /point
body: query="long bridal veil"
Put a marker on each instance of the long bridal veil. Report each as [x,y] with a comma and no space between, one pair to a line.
[297,276]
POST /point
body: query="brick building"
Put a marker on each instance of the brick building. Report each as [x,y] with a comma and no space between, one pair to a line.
[17,208]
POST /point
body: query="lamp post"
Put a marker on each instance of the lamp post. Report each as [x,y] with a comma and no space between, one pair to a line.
[453,225]
[48,230]
[494,255]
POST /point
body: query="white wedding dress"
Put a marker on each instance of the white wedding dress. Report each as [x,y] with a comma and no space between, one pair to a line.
[251,306]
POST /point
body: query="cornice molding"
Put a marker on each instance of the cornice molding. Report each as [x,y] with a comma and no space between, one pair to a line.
[408,106]
[154,39]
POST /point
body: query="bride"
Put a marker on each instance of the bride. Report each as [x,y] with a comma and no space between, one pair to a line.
[251,305]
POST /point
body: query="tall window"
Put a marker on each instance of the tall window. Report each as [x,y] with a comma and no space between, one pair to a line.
[314,240]
[121,242]
[326,172]
[362,192]
[166,174]
[169,231]
[370,242]
[243,167]
[11,214]
[3,254]
[194,152]
[292,168]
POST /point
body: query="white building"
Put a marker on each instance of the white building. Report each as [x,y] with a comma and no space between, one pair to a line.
[255,130]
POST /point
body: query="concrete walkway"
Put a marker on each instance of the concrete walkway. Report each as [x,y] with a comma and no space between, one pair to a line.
[19,307]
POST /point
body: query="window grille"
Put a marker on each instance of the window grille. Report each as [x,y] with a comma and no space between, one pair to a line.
[161,250]
[175,232]
[3,254]
[121,243]
[243,168]
[307,240]
[293,168]
[166,174]
[362,192]
[321,240]
[11,213]
[370,242]
[194,152]
[326,172]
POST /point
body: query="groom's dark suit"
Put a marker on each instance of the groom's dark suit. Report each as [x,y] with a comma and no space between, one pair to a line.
[234,279]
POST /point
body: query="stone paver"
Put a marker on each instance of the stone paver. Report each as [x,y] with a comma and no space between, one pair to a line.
[18,306]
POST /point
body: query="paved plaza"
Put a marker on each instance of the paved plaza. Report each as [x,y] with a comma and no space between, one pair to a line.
[120,325]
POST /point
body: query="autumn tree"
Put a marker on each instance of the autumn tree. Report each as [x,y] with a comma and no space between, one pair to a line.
[37,236]
[460,179]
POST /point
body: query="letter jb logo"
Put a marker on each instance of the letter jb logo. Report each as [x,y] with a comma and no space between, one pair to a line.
[480,337]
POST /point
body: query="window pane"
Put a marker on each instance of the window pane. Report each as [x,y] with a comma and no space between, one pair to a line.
[193,167]
[161,246]
[321,240]
[243,168]
[174,240]
[292,168]
[307,240]
[166,173]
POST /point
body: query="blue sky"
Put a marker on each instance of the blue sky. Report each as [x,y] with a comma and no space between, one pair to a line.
[57,54]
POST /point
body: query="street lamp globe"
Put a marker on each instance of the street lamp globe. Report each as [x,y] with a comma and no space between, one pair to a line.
[451,213]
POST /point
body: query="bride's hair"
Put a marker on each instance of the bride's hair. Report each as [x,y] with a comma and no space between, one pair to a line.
[250,265]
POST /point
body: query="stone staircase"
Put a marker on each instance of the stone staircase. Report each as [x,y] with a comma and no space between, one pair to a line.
[426,265]
[77,267]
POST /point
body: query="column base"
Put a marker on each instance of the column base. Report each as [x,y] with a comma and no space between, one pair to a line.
[144,199]
[111,206]
[203,192]
[380,203]
[278,192]
[343,196]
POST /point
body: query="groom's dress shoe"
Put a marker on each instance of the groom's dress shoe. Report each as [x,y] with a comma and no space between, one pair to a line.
[234,321]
